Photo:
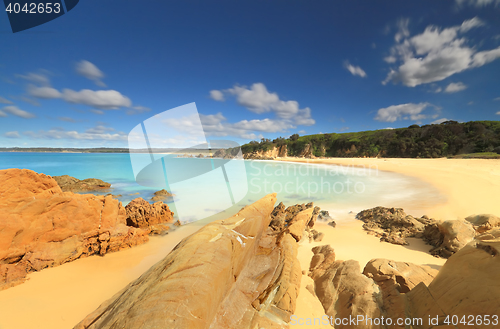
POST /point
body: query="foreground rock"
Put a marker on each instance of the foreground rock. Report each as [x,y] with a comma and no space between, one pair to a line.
[233,273]
[72,184]
[467,285]
[448,237]
[41,226]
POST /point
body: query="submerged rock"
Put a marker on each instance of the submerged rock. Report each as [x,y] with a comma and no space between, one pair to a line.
[161,195]
[72,184]
[42,226]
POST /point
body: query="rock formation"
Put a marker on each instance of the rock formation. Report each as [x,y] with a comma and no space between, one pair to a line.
[42,226]
[240,272]
[142,214]
[161,195]
[393,224]
[275,152]
[483,223]
[379,291]
[72,184]
[448,237]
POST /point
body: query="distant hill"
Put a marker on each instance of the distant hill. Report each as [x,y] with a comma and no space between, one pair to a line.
[447,139]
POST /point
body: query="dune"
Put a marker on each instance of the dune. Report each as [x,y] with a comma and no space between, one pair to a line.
[60,297]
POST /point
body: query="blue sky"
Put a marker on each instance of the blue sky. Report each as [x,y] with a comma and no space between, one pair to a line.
[254,68]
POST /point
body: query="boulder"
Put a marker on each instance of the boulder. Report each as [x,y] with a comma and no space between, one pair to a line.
[142,214]
[161,195]
[449,236]
[342,289]
[483,223]
[72,184]
[232,273]
[393,225]
[42,226]
[324,216]
[466,285]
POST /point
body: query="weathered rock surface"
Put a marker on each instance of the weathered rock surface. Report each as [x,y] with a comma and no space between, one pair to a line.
[483,223]
[393,225]
[41,226]
[341,288]
[161,195]
[448,237]
[466,285]
[142,214]
[275,152]
[234,273]
[72,184]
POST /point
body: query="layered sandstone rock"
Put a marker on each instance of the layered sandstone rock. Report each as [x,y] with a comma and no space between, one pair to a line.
[466,285]
[484,222]
[271,154]
[72,184]
[42,226]
[234,273]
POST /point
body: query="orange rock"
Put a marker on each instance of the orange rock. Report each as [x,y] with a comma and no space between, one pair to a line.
[41,226]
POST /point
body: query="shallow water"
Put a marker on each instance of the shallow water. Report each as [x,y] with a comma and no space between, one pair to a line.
[337,188]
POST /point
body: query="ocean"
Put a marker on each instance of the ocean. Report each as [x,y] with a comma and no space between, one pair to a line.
[340,189]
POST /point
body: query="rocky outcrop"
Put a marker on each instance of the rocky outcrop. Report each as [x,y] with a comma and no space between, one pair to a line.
[483,223]
[379,291]
[72,184]
[234,273]
[448,237]
[42,226]
[307,152]
[271,154]
[161,195]
[142,214]
[466,285]
[393,224]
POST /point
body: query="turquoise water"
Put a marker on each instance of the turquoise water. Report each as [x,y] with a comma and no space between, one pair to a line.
[331,187]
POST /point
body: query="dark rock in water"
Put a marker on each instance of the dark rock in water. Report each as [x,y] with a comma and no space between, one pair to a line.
[332,224]
[142,214]
[72,184]
[232,273]
[161,195]
[316,236]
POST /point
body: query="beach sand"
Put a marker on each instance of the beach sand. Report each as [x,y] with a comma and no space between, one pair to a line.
[62,296]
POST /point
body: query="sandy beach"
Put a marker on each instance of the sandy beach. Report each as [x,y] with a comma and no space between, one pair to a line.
[62,296]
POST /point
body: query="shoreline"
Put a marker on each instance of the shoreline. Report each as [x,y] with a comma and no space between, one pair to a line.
[62,296]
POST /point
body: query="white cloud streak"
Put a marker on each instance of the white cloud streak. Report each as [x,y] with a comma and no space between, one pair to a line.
[14,110]
[402,112]
[436,54]
[355,70]
[455,87]
[90,71]
[5,101]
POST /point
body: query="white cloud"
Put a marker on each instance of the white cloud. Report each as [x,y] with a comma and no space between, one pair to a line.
[438,121]
[102,99]
[455,87]
[436,54]
[497,99]
[96,133]
[5,101]
[100,112]
[477,3]
[498,113]
[14,110]
[90,71]
[402,112]
[43,92]
[257,99]
[38,78]
[2,114]
[355,70]
[403,31]
[217,95]
[67,119]
[12,134]
[137,110]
